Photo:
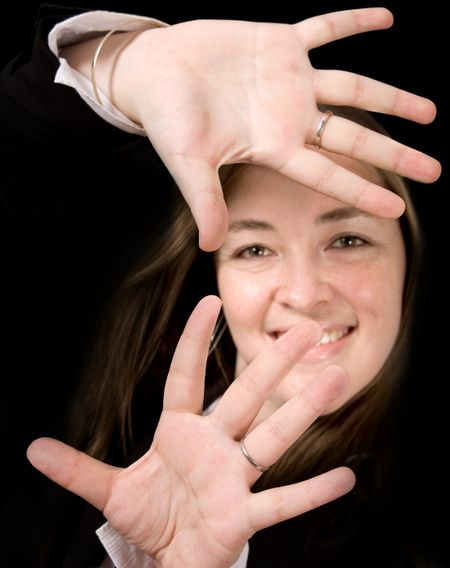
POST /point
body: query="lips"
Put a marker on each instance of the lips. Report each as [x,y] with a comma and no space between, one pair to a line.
[334,337]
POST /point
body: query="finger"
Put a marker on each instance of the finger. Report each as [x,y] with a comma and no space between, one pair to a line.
[200,185]
[242,401]
[344,88]
[324,175]
[271,438]
[73,470]
[185,381]
[276,505]
[319,30]
[348,138]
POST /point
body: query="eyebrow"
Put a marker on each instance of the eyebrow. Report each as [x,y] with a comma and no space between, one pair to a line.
[340,214]
[250,225]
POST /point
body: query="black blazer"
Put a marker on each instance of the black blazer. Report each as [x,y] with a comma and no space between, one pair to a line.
[79,201]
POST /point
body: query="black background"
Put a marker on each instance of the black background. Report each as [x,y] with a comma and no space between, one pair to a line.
[411,55]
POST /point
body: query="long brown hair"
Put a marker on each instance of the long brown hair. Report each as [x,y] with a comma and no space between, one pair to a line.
[146,317]
[132,338]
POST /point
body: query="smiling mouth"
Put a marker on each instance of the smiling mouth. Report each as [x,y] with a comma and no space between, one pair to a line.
[329,335]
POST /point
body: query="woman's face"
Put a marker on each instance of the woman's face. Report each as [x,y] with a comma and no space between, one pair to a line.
[292,254]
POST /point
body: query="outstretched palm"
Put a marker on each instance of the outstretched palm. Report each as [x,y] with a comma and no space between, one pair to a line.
[188,500]
[248,93]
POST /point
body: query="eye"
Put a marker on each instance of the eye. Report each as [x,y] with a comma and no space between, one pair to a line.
[254,251]
[348,241]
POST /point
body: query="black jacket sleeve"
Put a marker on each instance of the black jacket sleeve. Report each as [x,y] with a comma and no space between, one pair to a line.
[78,201]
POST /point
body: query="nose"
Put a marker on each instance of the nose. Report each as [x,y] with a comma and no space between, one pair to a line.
[303,285]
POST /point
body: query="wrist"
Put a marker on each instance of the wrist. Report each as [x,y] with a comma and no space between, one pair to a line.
[132,67]
[117,68]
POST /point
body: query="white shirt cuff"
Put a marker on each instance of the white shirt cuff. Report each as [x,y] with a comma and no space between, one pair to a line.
[83,27]
[120,552]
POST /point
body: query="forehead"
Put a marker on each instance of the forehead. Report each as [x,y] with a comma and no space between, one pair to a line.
[255,188]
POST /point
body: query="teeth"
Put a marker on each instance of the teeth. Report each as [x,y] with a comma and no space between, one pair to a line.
[332,336]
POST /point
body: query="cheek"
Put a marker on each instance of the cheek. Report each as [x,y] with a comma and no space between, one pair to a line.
[245,303]
[376,295]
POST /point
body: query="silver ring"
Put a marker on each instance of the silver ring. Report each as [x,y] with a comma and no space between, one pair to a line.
[259,467]
[321,127]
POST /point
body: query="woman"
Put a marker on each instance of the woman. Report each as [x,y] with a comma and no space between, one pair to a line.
[74,234]
[291,257]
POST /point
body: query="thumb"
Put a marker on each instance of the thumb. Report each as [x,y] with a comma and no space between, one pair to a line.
[200,186]
[73,470]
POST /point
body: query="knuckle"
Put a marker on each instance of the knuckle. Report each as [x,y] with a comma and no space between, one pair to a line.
[177,372]
[397,97]
[279,505]
[249,381]
[325,182]
[360,141]
[359,90]
[398,157]
[276,430]
[330,26]
[310,498]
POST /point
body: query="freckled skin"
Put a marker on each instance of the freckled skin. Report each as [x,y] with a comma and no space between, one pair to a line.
[347,274]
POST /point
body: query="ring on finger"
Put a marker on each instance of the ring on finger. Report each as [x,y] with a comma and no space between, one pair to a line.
[321,127]
[252,461]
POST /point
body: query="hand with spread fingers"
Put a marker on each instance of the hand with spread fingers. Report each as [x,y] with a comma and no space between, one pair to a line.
[248,93]
[187,501]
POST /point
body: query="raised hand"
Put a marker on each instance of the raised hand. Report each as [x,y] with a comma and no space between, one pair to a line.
[212,92]
[187,501]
